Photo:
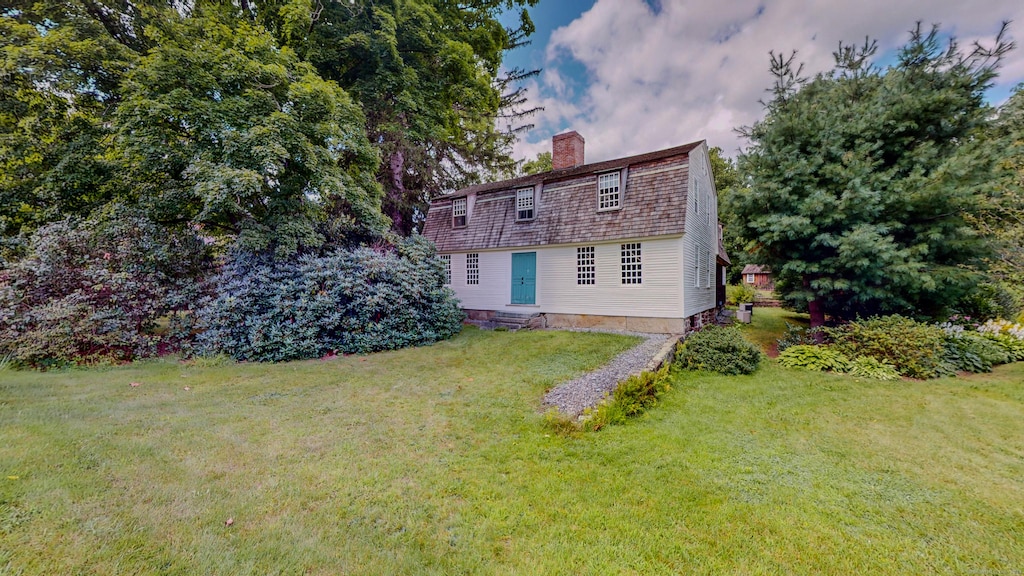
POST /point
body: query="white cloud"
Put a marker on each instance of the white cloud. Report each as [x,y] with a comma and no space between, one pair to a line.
[696,70]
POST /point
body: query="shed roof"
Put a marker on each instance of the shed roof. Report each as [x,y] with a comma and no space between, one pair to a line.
[756,269]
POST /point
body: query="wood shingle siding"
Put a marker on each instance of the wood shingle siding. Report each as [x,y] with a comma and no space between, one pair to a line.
[653,204]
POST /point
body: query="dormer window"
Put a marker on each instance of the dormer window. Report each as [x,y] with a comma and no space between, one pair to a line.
[524,204]
[608,197]
[458,212]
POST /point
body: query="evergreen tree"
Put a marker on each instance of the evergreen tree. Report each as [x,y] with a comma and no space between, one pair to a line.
[861,178]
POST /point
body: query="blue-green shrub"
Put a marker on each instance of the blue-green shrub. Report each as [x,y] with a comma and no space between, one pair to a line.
[348,301]
[973,352]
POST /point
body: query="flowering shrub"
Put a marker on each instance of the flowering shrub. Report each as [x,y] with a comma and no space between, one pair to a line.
[349,301]
[92,291]
[1002,327]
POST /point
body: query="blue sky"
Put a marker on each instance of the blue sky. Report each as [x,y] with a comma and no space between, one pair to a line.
[633,76]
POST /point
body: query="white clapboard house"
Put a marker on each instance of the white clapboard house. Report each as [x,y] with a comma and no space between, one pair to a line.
[628,244]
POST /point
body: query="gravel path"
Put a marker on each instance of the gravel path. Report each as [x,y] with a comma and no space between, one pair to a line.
[573,397]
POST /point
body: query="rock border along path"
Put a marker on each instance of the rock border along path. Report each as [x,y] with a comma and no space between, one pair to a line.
[575,396]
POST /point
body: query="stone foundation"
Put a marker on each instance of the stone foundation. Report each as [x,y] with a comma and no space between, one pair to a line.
[487,318]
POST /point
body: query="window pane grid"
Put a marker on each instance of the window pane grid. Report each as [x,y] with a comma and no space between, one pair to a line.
[524,204]
[632,273]
[472,269]
[447,259]
[608,191]
[459,212]
[585,265]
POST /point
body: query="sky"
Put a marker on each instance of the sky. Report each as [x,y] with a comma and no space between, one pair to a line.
[633,76]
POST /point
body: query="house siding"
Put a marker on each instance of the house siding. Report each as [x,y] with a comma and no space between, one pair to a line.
[658,296]
[701,235]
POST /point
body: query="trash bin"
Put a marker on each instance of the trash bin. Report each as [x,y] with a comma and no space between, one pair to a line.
[743,316]
[747,307]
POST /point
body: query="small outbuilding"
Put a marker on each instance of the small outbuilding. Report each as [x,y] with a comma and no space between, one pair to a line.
[758,277]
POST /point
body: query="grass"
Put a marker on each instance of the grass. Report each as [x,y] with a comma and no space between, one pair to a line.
[435,461]
[768,324]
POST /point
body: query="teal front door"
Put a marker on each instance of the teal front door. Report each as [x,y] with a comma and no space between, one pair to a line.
[524,278]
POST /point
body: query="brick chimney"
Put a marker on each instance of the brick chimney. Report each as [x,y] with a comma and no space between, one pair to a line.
[566,150]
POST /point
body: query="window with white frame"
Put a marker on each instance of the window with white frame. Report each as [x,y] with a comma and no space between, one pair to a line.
[750,278]
[696,267]
[585,266]
[447,259]
[472,269]
[707,269]
[632,271]
[608,197]
[696,197]
[459,212]
[524,204]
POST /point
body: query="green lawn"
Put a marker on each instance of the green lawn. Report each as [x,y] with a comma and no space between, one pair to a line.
[436,461]
[767,324]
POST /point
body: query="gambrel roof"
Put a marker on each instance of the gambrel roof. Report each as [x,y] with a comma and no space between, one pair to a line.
[653,203]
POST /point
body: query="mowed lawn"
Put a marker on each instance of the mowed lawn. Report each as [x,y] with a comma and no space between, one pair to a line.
[436,460]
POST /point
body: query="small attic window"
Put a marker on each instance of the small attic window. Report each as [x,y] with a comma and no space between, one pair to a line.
[458,212]
[608,197]
[524,204]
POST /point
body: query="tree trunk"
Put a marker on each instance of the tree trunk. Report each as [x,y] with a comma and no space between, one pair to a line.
[817,313]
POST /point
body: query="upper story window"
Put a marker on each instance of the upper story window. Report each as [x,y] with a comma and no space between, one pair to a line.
[459,212]
[608,196]
[524,204]
[632,273]
[585,265]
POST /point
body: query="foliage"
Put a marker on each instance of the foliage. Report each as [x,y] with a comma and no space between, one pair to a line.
[718,349]
[263,120]
[254,144]
[860,179]
[542,163]
[815,357]
[92,291]
[973,352]
[1002,327]
[739,293]
[728,183]
[868,367]
[916,349]
[346,301]
[988,301]
[1014,347]
[796,335]
[632,397]
[59,76]
[428,76]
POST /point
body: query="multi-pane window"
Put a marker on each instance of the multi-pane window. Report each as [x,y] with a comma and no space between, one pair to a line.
[472,268]
[632,273]
[524,204]
[750,278]
[447,259]
[585,265]
[707,269]
[459,212]
[608,191]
